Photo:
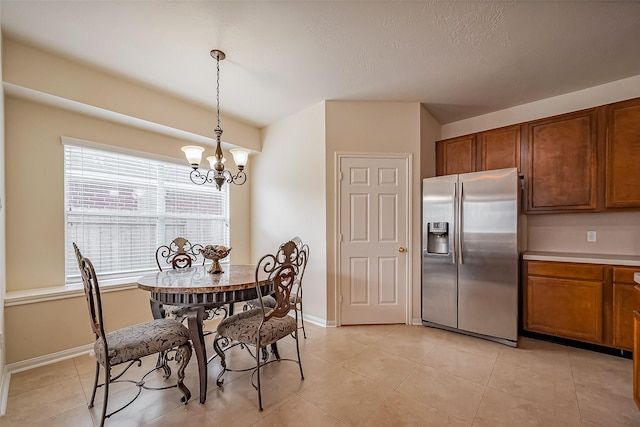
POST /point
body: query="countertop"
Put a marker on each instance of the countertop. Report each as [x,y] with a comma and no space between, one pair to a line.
[581,258]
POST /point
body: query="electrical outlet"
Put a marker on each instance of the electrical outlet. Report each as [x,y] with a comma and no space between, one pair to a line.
[591,236]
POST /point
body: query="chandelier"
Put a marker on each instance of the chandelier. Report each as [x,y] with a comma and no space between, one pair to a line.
[217,173]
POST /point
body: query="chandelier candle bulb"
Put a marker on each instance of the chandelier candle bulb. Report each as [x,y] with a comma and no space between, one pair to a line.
[240,157]
[193,153]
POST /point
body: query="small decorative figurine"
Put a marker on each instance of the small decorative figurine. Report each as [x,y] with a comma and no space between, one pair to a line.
[215,253]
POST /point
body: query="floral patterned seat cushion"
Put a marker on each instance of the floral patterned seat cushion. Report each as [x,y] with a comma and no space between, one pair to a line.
[134,342]
[270,302]
[243,327]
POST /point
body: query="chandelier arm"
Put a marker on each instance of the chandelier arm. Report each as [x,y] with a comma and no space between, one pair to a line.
[239,178]
[198,178]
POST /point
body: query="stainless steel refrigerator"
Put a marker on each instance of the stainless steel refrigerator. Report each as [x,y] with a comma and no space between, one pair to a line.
[470,254]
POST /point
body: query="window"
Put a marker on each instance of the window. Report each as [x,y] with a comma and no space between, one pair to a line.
[120,208]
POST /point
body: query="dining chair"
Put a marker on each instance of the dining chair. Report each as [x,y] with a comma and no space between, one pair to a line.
[263,326]
[129,344]
[299,257]
[178,254]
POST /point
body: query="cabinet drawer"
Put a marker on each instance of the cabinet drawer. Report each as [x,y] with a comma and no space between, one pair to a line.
[567,308]
[566,270]
[624,274]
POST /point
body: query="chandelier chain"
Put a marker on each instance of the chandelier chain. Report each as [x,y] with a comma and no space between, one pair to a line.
[218,90]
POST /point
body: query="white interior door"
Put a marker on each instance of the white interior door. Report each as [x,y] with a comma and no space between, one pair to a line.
[373,239]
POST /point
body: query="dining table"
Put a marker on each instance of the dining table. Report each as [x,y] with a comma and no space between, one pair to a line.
[195,290]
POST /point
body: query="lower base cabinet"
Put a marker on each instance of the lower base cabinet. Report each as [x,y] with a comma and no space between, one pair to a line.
[636,356]
[592,303]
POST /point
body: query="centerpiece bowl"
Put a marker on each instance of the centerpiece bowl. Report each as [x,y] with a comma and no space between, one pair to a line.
[215,253]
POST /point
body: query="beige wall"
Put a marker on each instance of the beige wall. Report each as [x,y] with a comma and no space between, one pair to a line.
[375,127]
[33,173]
[35,214]
[429,134]
[288,196]
[592,97]
[32,333]
[35,69]
[2,226]
[617,233]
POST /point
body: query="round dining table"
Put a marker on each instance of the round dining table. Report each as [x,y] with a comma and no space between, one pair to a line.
[195,289]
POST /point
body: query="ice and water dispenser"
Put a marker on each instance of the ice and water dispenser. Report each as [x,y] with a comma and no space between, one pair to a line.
[438,238]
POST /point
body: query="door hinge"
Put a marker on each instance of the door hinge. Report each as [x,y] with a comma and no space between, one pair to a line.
[341,298]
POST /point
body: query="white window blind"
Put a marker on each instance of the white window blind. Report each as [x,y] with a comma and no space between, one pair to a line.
[120,208]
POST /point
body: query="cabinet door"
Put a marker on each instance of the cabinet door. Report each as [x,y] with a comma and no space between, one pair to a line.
[456,155]
[562,167]
[565,307]
[500,148]
[636,357]
[625,300]
[623,152]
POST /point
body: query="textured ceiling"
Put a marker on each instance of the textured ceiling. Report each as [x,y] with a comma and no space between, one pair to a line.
[460,59]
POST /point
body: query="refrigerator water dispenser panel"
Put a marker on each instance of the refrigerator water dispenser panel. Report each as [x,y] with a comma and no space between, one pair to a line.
[438,238]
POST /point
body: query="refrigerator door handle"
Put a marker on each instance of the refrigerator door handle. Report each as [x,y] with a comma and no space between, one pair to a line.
[460,224]
[454,201]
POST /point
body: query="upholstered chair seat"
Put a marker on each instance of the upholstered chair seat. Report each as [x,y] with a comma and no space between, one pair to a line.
[244,327]
[134,342]
[262,326]
[299,257]
[127,346]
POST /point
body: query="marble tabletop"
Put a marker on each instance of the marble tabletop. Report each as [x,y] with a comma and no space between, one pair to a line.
[197,280]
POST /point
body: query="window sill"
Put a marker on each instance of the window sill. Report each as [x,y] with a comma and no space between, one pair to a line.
[32,296]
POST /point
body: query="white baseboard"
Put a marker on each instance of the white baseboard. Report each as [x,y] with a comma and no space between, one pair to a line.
[36,362]
[4,391]
[48,359]
[416,322]
[318,321]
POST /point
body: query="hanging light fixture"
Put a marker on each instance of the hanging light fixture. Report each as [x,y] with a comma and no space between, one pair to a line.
[217,173]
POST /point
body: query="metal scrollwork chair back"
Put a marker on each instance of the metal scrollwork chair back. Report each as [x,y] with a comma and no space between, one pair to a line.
[130,344]
[263,326]
[180,253]
[292,252]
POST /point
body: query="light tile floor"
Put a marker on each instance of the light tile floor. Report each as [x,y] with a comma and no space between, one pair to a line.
[387,375]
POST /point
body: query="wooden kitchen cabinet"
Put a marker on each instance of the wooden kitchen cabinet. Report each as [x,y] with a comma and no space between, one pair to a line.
[494,149]
[499,148]
[456,155]
[636,355]
[565,300]
[562,167]
[625,300]
[593,303]
[585,161]
[623,152]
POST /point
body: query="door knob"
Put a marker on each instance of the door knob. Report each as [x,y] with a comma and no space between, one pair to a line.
[401,249]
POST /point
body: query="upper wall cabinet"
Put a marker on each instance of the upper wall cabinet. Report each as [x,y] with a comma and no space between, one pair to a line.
[562,164]
[456,155]
[585,161]
[499,148]
[623,154]
[493,149]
